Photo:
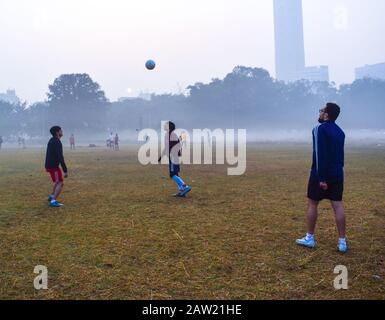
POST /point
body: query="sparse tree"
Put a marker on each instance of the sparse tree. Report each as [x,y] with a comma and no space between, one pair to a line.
[77,102]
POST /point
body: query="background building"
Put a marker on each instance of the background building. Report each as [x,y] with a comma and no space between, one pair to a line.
[320,73]
[289,38]
[289,44]
[9,96]
[376,71]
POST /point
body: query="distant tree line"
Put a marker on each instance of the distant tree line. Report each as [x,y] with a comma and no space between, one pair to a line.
[246,98]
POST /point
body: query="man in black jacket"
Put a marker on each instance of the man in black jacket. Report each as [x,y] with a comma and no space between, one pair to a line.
[54,158]
[327,175]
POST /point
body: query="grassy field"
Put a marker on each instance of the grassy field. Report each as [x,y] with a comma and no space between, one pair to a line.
[122,236]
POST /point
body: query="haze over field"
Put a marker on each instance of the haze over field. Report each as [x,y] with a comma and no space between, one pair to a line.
[70,61]
[190,40]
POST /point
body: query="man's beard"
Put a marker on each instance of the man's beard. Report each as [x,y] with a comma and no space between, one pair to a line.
[321,120]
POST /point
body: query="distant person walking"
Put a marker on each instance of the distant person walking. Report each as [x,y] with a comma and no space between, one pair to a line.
[54,158]
[1,141]
[112,140]
[72,142]
[21,141]
[327,175]
[116,142]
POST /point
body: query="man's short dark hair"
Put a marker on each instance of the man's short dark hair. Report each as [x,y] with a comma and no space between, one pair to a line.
[54,130]
[333,110]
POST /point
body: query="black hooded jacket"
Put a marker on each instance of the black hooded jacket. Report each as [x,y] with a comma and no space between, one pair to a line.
[54,156]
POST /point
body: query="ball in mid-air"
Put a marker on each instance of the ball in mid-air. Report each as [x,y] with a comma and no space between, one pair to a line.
[150,65]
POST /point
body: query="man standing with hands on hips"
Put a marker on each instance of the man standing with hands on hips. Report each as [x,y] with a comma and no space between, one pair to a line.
[327,175]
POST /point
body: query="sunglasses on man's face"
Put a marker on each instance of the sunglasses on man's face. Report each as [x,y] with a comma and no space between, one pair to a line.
[322,110]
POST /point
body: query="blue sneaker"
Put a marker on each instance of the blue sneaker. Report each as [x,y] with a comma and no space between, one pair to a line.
[184,191]
[305,242]
[343,246]
[50,198]
[55,204]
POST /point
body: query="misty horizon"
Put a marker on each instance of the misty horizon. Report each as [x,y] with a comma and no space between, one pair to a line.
[47,38]
[267,66]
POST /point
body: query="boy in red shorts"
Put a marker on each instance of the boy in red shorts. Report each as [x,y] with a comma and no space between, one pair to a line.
[54,158]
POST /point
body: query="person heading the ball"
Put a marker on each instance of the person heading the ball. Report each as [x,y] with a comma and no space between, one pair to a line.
[173,150]
[327,175]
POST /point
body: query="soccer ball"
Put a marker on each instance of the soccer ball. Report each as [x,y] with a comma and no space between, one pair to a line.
[150,65]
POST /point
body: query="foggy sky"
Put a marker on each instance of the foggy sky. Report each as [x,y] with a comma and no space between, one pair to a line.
[191,41]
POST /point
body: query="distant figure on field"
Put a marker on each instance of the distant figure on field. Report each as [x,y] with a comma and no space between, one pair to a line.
[1,141]
[21,142]
[72,142]
[116,142]
[111,139]
[54,159]
[327,175]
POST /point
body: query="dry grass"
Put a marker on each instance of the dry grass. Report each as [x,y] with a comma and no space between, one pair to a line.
[122,236]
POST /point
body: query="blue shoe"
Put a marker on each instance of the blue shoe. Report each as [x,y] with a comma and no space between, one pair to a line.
[50,198]
[343,246]
[308,243]
[184,191]
[178,195]
[55,204]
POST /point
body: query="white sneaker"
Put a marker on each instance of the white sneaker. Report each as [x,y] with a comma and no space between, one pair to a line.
[305,242]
